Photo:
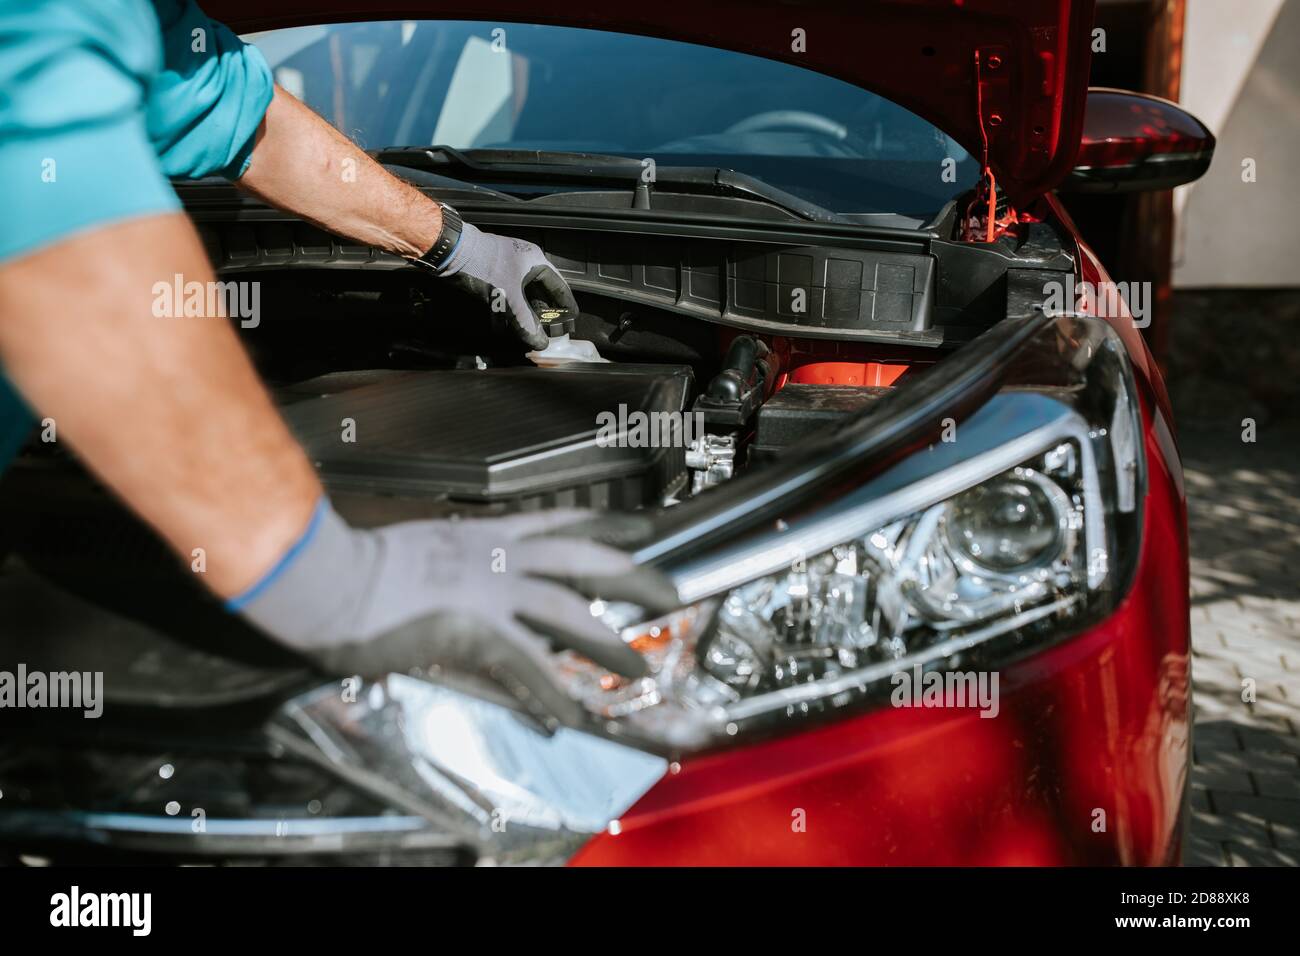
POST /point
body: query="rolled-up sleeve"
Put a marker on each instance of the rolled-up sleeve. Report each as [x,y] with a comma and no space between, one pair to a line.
[73,149]
[102,100]
[204,106]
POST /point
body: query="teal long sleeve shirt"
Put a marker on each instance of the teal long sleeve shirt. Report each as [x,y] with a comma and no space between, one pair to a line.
[101,101]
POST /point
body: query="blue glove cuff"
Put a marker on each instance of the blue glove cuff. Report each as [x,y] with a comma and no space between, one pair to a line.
[240,601]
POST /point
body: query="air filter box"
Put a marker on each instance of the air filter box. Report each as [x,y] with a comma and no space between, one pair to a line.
[523,436]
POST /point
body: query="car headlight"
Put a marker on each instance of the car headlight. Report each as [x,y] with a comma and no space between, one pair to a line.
[966,553]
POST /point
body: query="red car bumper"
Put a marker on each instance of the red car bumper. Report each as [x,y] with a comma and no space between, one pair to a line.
[1086,762]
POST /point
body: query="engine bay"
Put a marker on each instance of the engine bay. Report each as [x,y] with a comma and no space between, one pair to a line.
[747,337]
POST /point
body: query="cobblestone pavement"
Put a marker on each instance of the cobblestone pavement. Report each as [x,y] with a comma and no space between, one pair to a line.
[1244,512]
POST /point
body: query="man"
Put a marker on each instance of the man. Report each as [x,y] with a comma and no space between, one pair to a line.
[101,101]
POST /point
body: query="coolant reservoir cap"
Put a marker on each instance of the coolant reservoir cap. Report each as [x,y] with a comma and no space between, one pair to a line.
[556,322]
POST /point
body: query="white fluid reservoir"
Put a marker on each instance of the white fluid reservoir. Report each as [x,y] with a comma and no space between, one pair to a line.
[563,348]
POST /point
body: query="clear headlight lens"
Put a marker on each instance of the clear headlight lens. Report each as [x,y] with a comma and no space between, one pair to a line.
[979,559]
[967,557]
[1004,555]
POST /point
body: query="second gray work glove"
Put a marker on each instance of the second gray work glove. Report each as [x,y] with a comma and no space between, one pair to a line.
[509,274]
[482,596]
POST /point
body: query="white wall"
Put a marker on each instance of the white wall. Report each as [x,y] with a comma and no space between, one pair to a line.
[1241,77]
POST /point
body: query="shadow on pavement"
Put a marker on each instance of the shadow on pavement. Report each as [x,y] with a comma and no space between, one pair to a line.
[1244,525]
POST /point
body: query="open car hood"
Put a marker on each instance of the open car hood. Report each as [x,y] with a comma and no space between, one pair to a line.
[1033,55]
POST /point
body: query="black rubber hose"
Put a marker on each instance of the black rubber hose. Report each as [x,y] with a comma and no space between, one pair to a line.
[730,384]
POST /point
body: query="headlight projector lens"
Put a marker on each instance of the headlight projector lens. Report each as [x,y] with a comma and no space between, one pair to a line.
[1013,524]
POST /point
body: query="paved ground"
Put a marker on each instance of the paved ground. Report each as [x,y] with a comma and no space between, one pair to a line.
[1244,504]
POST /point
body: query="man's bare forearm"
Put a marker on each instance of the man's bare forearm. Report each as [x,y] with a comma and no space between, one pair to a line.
[304,165]
[168,411]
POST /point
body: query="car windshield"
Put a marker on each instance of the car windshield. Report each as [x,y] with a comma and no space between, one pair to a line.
[515,86]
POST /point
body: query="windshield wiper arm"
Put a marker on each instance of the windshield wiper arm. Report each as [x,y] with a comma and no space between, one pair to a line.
[600,169]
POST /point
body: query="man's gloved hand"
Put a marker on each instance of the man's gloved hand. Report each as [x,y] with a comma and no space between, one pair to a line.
[483,262]
[483,596]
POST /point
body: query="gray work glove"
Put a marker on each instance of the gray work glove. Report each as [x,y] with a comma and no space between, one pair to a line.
[482,596]
[483,262]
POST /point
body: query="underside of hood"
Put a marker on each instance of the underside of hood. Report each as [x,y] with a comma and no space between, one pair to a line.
[1012,74]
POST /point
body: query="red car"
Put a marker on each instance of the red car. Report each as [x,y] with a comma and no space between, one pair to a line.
[888,424]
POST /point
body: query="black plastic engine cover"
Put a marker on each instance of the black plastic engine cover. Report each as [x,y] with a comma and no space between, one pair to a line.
[523,436]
